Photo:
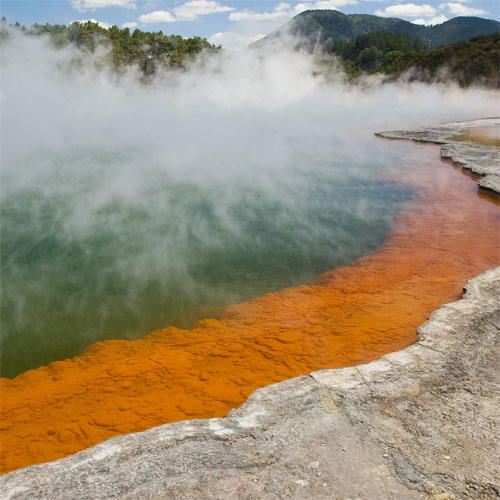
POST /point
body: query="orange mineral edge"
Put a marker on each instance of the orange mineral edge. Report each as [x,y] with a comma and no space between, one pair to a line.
[354,314]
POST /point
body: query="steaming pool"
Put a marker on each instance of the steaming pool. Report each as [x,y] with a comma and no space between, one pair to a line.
[81,264]
[127,208]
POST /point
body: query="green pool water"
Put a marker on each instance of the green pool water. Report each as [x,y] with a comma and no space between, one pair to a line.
[82,264]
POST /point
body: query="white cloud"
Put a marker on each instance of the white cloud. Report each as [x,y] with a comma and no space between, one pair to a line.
[432,21]
[461,10]
[282,6]
[192,10]
[284,11]
[83,21]
[99,4]
[323,5]
[234,41]
[250,15]
[158,16]
[407,10]
[129,25]
[188,11]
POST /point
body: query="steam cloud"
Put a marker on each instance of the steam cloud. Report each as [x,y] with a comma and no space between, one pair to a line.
[127,207]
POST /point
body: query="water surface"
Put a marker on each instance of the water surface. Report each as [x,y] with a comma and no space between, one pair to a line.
[82,264]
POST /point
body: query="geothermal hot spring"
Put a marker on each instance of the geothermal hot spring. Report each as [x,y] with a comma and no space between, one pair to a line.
[128,208]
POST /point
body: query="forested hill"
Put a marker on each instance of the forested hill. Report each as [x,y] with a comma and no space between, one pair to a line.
[476,62]
[149,51]
[316,28]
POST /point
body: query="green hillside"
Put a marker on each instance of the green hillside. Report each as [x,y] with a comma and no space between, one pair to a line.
[461,29]
[476,62]
[374,50]
[316,28]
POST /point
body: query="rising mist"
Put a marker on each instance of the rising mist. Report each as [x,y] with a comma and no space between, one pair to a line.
[129,206]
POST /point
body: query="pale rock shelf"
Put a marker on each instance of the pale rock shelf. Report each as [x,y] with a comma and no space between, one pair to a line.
[480,159]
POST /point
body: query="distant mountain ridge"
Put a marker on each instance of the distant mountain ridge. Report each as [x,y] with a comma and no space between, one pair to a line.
[316,28]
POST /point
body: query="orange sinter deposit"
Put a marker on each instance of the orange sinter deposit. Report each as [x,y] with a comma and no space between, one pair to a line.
[444,236]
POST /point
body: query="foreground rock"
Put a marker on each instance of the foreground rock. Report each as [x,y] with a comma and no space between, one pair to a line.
[480,159]
[419,423]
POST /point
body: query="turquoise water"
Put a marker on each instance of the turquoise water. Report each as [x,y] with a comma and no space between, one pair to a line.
[82,264]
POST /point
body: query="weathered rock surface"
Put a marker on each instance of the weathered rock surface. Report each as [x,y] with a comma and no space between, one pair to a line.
[419,423]
[480,159]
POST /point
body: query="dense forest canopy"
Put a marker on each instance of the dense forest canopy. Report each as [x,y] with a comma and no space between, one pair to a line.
[149,51]
[371,50]
[476,62]
[473,62]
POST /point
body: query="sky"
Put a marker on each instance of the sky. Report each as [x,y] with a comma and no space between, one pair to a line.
[232,23]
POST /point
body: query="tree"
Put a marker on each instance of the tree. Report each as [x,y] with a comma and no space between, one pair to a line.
[391,56]
[369,58]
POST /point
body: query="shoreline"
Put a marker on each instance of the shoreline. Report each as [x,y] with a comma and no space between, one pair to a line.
[251,418]
[480,159]
[416,422]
